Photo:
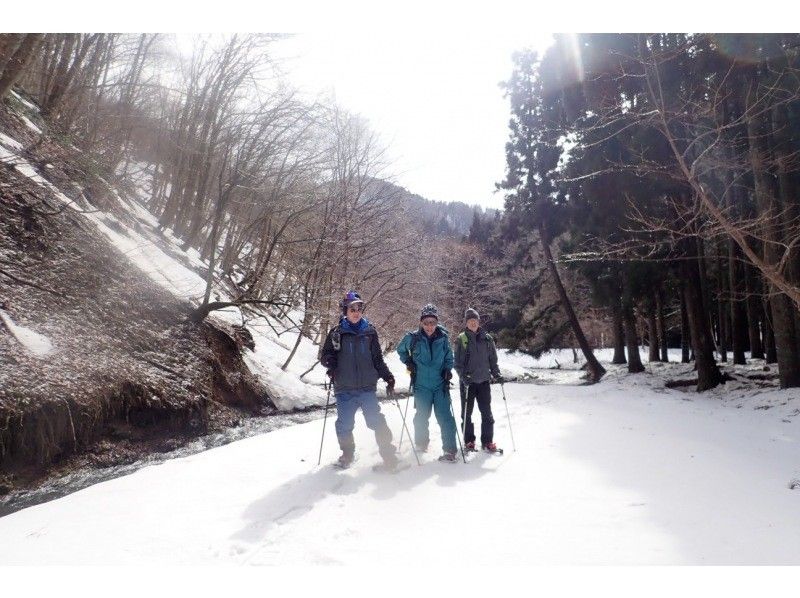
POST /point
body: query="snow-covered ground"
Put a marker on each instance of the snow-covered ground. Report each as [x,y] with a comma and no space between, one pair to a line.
[622,472]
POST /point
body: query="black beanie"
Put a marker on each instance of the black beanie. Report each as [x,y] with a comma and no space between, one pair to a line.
[471,313]
[429,311]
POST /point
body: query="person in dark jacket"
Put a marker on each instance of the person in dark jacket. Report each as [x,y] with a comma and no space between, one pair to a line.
[428,356]
[354,361]
[476,364]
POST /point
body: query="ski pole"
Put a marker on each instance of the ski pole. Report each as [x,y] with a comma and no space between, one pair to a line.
[465,398]
[324,421]
[503,388]
[408,399]
[413,448]
[460,445]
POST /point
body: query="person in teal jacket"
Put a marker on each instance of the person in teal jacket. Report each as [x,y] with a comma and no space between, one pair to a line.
[428,356]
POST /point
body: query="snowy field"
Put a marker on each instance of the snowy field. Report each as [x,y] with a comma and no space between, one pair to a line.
[616,473]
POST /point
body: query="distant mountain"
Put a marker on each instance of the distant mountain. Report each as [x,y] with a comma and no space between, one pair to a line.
[449,219]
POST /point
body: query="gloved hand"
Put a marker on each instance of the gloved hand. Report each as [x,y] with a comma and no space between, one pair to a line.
[412,368]
[447,375]
[390,387]
[331,373]
[499,379]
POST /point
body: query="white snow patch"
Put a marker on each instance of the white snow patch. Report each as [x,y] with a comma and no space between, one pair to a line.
[24,167]
[24,101]
[29,123]
[34,342]
[10,142]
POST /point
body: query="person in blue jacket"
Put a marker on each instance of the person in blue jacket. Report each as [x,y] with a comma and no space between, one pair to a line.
[354,361]
[429,358]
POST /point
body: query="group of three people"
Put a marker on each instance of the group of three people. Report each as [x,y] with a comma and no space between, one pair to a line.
[354,361]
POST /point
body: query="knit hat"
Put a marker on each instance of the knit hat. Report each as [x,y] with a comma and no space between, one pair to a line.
[471,313]
[429,311]
[349,299]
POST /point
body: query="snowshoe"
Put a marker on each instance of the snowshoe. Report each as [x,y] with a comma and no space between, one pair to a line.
[448,458]
[390,467]
[344,462]
[491,447]
[470,446]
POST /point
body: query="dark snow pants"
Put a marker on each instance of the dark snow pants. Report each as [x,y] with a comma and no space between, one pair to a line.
[483,394]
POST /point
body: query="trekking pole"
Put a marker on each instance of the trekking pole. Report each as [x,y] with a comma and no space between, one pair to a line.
[460,445]
[503,388]
[464,407]
[324,421]
[413,448]
[408,399]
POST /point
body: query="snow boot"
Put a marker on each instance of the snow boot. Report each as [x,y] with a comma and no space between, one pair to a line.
[448,458]
[491,447]
[470,446]
[345,461]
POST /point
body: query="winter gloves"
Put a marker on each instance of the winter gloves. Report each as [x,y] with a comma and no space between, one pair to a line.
[390,387]
[412,368]
[447,375]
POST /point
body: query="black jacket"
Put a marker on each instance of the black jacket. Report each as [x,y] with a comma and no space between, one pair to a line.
[476,357]
[358,362]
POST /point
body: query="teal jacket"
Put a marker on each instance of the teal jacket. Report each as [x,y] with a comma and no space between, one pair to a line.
[431,356]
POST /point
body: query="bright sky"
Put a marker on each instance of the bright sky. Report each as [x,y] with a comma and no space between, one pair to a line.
[434,99]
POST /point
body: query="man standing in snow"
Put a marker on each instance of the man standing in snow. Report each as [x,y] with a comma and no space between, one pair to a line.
[428,356]
[354,361]
[476,364]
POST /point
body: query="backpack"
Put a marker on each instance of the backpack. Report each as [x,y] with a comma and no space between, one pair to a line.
[336,337]
[414,341]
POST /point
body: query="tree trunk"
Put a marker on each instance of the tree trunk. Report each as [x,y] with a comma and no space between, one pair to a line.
[708,374]
[737,312]
[686,340]
[15,65]
[631,342]
[722,333]
[619,334]
[652,332]
[755,312]
[594,369]
[662,328]
[9,42]
[770,350]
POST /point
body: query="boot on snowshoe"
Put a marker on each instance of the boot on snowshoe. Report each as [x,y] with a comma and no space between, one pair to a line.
[491,447]
[345,461]
[470,446]
[448,458]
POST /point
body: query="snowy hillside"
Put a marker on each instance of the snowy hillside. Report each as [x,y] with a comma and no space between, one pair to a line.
[159,256]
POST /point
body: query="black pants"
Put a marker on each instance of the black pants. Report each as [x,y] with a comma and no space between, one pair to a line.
[483,393]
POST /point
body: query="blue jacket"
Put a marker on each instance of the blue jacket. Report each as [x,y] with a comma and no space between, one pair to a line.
[431,356]
[354,354]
